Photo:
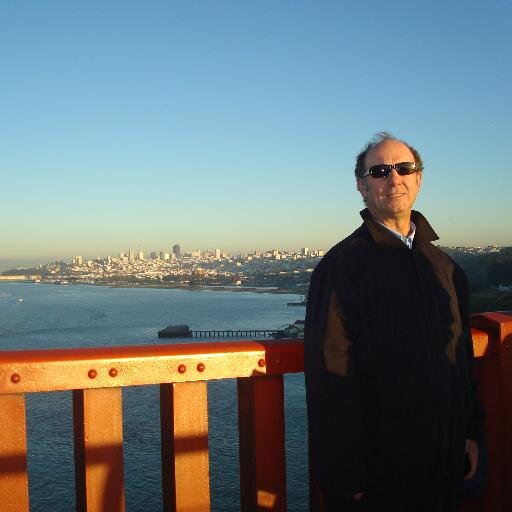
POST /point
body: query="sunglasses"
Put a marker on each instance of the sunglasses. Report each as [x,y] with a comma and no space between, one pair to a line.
[384,170]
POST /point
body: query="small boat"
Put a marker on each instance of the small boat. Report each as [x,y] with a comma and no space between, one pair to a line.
[20,299]
[175,331]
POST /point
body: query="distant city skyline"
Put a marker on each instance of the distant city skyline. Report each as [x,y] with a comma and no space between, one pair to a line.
[50,254]
[132,253]
[7,264]
[236,125]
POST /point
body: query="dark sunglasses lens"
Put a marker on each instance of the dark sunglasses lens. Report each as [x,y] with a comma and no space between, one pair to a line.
[379,171]
[405,168]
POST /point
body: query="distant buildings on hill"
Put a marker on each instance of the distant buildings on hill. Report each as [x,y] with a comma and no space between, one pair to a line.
[484,266]
[197,254]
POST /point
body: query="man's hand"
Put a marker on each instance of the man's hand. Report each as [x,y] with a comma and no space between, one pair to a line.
[472,451]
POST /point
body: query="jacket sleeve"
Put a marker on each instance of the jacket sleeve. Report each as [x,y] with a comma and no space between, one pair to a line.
[475,415]
[332,388]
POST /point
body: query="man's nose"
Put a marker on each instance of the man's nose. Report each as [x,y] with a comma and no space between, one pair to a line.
[394,177]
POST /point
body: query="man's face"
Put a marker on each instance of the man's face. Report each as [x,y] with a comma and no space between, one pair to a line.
[390,197]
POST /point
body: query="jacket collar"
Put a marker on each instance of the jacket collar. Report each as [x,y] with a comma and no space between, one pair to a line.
[424,231]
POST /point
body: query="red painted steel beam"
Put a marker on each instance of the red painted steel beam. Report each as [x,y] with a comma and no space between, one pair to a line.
[494,372]
[262,444]
[184,444]
[98,436]
[62,369]
[13,454]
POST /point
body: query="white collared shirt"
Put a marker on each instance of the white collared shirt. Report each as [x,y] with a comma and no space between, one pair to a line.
[407,240]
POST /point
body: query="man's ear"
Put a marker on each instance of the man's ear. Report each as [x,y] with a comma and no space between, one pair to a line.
[420,177]
[361,185]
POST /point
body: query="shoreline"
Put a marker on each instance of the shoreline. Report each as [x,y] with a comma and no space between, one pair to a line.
[220,288]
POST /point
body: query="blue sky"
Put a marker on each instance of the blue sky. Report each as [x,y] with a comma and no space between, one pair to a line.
[235,124]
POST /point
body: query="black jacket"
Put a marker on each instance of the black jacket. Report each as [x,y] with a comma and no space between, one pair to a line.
[388,355]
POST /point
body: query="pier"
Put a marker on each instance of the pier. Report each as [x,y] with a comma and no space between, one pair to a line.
[229,333]
[184,331]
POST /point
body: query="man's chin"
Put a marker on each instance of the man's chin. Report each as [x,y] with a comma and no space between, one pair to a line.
[398,209]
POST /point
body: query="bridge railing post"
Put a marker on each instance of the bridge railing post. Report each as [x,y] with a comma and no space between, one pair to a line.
[262,444]
[98,437]
[494,370]
[13,454]
[185,461]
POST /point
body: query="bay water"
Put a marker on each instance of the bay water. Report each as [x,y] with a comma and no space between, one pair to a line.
[70,316]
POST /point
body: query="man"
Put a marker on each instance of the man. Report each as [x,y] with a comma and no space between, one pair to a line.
[388,352]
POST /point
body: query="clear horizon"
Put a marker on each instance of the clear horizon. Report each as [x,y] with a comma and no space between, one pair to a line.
[236,125]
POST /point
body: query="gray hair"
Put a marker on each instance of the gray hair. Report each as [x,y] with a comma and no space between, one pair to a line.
[378,138]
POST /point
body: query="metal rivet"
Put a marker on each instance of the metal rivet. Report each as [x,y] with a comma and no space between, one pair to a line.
[261,363]
[92,373]
[278,361]
[182,368]
[507,346]
[200,367]
[112,372]
[15,378]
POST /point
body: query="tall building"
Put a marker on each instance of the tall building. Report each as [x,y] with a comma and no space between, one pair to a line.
[304,251]
[131,255]
[164,256]
[217,254]
[176,249]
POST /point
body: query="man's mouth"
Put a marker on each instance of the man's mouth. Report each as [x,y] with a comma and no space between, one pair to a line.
[395,195]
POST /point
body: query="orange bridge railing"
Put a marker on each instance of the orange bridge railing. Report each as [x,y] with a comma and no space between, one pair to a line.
[97,376]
